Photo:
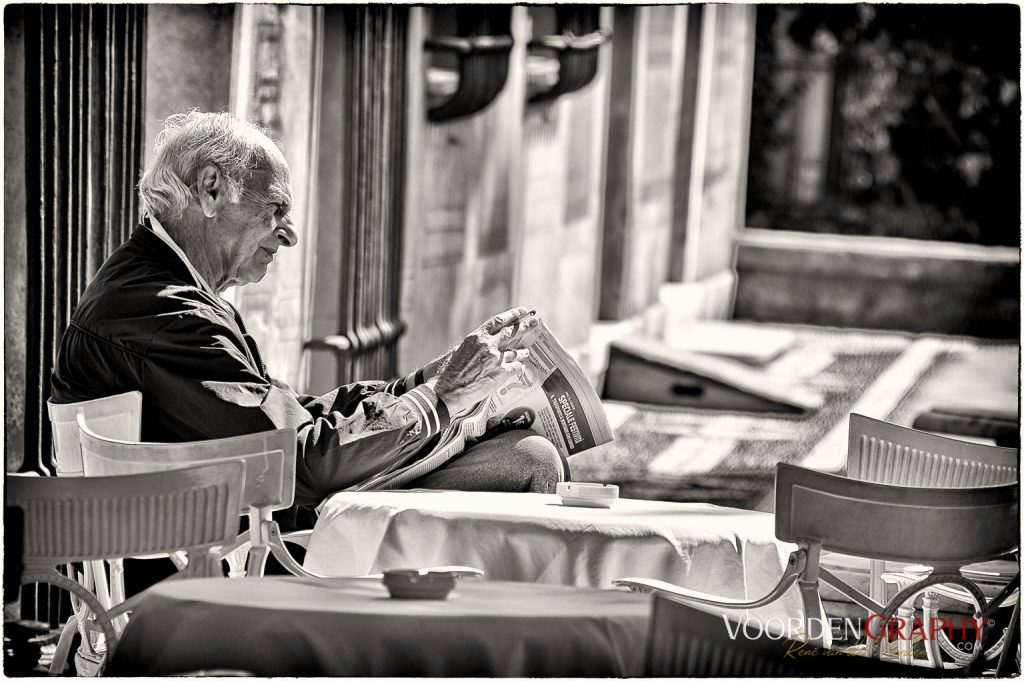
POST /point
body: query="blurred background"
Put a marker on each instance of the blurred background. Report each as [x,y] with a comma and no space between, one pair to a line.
[826,199]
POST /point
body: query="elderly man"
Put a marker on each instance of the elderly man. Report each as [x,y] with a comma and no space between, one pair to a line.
[216,201]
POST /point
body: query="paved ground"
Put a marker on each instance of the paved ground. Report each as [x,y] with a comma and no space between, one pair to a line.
[729,458]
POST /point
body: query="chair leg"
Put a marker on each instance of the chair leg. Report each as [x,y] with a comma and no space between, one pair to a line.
[1008,656]
[930,608]
[90,640]
[902,604]
[257,561]
[101,583]
[236,559]
[904,642]
[876,587]
[818,631]
[116,580]
[117,592]
[77,607]
[814,612]
[67,635]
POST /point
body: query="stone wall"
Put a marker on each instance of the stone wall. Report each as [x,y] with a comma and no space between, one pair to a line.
[558,252]
[273,85]
[256,61]
[188,62]
[878,283]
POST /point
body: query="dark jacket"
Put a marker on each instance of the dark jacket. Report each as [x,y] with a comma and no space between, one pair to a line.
[144,324]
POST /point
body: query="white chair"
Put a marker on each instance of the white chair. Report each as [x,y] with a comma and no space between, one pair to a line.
[269,459]
[90,519]
[946,528]
[894,455]
[890,454]
[117,416]
[686,641]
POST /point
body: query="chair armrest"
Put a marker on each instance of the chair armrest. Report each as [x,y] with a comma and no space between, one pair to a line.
[179,558]
[795,566]
[645,585]
[299,538]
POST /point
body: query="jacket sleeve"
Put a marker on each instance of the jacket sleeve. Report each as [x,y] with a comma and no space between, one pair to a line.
[205,383]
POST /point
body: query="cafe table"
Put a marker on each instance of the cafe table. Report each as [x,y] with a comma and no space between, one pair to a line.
[534,538]
[287,626]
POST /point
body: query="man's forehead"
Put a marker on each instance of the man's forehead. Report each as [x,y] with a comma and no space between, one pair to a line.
[275,182]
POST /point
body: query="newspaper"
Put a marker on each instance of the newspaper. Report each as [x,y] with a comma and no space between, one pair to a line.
[551,397]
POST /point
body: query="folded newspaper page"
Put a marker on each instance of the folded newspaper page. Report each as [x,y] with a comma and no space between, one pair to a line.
[551,397]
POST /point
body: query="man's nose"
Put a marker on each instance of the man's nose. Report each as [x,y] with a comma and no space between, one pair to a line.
[285,232]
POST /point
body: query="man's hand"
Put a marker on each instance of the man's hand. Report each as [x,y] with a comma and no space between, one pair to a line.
[484,360]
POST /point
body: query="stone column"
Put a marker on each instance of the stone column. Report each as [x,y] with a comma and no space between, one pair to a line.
[646,78]
[360,180]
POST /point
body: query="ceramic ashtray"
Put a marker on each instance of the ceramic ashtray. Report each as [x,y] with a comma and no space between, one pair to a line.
[589,494]
[418,584]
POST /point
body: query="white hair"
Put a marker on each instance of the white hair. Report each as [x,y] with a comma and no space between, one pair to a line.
[186,144]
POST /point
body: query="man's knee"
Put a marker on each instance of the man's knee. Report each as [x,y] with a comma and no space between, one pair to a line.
[514,461]
[540,462]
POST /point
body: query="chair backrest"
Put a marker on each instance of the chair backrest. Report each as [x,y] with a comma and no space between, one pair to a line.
[685,640]
[117,416]
[894,455]
[75,519]
[269,459]
[909,524]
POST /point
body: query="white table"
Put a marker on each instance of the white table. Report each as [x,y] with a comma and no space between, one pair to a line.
[533,538]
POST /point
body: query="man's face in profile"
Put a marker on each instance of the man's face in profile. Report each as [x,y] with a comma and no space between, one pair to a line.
[257,225]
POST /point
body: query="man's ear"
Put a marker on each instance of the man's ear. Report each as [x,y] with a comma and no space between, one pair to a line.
[211,189]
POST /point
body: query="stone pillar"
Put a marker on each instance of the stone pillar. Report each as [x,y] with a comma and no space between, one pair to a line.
[464,206]
[559,245]
[82,89]
[355,324]
[646,78]
[711,186]
[188,62]
[275,56]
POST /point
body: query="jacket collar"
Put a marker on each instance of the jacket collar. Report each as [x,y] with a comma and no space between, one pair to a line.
[158,229]
[146,238]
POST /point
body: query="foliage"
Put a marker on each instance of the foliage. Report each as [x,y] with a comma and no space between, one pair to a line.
[928,116]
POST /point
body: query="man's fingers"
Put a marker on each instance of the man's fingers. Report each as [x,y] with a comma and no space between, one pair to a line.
[514,367]
[513,332]
[511,356]
[503,319]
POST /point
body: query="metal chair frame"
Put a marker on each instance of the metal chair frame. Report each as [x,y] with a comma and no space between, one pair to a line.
[116,416]
[71,520]
[686,641]
[891,454]
[945,528]
[269,460]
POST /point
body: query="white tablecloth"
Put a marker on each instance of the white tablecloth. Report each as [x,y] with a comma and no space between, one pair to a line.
[533,538]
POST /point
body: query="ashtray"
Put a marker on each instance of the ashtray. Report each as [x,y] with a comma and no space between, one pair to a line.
[416,584]
[589,494]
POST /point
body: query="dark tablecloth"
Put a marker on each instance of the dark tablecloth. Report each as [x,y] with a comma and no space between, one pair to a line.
[350,627]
